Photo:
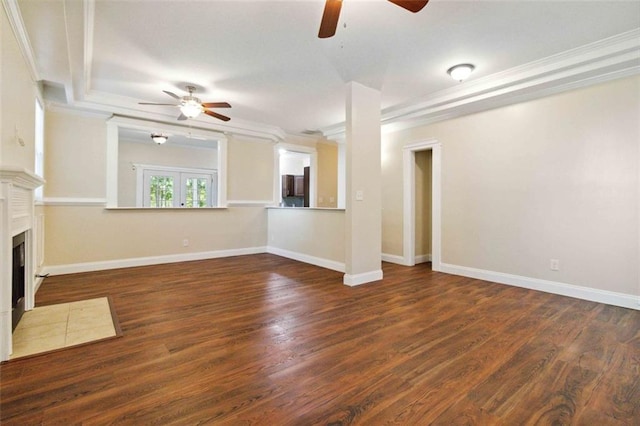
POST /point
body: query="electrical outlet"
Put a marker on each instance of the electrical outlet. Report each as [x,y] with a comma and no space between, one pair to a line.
[359,195]
[554,265]
[185,242]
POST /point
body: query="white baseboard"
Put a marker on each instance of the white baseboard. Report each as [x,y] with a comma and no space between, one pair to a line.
[366,277]
[301,257]
[394,258]
[145,261]
[594,295]
[400,260]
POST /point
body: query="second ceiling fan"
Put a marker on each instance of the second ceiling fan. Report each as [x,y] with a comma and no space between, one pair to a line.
[331,14]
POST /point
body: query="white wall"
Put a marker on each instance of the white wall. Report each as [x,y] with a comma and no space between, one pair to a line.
[554,178]
[294,163]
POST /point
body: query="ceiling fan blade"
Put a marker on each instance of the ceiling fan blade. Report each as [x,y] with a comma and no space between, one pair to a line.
[218,116]
[216,105]
[173,95]
[182,117]
[411,5]
[153,103]
[330,18]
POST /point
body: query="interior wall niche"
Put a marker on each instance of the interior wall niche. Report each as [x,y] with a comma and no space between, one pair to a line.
[129,143]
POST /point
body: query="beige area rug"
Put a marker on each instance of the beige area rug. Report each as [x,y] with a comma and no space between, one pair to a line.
[54,327]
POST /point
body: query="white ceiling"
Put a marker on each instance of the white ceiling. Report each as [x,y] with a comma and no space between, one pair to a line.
[265,59]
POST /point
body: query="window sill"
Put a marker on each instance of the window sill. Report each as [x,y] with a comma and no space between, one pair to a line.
[172,209]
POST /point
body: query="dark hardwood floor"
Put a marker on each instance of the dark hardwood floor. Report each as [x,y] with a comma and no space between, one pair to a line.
[263,340]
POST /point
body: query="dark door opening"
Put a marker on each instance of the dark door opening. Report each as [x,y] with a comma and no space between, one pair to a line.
[18,280]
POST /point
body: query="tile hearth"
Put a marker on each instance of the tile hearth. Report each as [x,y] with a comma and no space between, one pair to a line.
[60,326]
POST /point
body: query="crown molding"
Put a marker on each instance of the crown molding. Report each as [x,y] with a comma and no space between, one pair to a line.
[17,25]
[601,61]
[146,125]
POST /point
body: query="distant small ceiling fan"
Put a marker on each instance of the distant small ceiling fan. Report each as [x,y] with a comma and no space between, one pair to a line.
[331,14]
[191,107]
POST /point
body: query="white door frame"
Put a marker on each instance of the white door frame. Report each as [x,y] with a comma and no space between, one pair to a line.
[409,202]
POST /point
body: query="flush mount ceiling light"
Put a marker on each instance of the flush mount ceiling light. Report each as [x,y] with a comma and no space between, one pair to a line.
[461,72]
[159,138]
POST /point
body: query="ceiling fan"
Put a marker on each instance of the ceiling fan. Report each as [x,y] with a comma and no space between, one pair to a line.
[191,107]
[331,14]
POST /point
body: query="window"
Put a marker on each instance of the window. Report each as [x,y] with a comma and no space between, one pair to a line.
[164,187]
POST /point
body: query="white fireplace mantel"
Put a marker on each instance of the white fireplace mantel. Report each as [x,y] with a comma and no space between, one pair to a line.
[17,187]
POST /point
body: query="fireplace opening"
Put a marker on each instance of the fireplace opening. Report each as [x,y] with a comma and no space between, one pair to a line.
[18,279]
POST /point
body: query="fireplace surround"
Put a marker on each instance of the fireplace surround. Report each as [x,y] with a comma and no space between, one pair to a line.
[17,217]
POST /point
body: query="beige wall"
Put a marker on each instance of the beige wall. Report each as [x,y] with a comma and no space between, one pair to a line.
[80,234]
[250,170]
[158,155]
[554,178]
[75,155]
[327,175]
[17,102]
[423,203]
[311,232]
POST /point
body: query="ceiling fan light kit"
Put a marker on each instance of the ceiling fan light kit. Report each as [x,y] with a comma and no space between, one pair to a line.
[461,72]
[191,107]
[159,138]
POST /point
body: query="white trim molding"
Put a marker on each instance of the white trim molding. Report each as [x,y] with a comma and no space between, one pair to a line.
[17,25]
[353,280]
[400,260]
[409,202]
[74,201]
[313,260]
[422,258]
[394,258]
[570,290]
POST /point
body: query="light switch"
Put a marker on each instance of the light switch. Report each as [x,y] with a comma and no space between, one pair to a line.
[359,195]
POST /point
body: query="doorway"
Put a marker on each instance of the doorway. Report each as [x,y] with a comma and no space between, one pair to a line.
[417,162]
[296,175]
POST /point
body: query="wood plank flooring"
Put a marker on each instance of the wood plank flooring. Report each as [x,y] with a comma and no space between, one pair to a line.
[263,340]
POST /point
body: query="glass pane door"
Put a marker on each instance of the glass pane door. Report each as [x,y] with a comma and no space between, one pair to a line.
[160,189]
[197,190]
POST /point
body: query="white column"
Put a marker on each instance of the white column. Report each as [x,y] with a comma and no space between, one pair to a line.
[363,216]
[342,178]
